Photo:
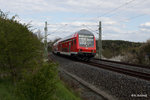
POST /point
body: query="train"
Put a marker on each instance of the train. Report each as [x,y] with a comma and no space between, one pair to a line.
[80,45]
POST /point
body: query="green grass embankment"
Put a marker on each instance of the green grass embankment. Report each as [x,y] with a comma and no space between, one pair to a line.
[7,91]
[63,93]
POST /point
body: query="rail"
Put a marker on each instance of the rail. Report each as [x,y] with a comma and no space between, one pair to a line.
[136,74]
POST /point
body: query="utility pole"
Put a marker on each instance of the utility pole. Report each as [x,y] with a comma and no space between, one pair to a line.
[45,41]
[100,41]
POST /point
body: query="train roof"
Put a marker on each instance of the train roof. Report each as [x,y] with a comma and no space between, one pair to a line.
[85,32]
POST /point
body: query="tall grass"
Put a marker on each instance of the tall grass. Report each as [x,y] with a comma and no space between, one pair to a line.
[62,93]
[7,90]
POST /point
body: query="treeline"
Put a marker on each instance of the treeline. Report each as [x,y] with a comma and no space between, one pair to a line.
[112,48]
[140,55]
[132,52]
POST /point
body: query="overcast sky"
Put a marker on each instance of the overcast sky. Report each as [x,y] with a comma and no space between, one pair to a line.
[121,19]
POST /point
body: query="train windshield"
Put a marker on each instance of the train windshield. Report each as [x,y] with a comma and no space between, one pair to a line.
[86,40]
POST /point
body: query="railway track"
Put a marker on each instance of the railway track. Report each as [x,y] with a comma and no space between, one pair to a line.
[108,65]
[95,90]
[138,82]
[123,63]
[137,74]
[103,95]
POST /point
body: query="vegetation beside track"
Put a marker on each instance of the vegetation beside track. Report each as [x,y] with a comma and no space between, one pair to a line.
[112,48]
[62,92]
[139,55]
[132,52]
[23,73]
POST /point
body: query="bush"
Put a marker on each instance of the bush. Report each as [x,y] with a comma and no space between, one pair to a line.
[19,47]
[40,85]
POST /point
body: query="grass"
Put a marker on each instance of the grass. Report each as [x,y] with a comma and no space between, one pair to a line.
[6,90]
[62,92]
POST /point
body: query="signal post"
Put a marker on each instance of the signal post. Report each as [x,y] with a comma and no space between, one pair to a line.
[100,41]
[45,41]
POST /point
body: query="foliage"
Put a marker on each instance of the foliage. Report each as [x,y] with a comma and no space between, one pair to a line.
[113,48]
[21,58]
[139,55]
[7,90]
[19,47]
[62,92]
[40,84]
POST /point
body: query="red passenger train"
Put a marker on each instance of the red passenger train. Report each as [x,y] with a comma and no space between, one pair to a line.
[81,44]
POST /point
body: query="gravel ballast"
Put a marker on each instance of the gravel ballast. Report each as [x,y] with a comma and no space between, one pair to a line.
[139,69]
[84,92]
[118,85]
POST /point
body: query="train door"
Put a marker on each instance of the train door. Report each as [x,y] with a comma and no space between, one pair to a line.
[71,45]
[74,45]
[61,47]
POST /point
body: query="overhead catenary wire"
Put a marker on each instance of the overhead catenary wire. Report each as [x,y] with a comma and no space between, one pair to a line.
[106,13]
[95,31]
[131,18]
[141,2]
[57,29]
[80,16]
[116,8]
[136,16]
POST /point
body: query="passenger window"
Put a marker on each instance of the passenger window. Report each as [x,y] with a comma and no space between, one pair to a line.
[74,41]
[71,43]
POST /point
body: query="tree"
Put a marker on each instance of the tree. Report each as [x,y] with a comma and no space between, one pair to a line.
[19,47]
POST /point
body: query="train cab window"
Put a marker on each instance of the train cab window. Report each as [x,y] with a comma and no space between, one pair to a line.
[86,40]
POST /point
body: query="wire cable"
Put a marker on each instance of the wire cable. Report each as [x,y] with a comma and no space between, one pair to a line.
[141,2]
[57,29]
[95,31]
[131,18]
[116,8]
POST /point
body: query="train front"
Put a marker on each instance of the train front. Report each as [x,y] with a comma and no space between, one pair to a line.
[86,44]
